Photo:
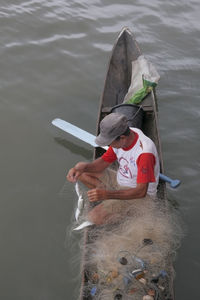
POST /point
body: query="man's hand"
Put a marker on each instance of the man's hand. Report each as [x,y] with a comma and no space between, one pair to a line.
[139,191]
[73,175]
[75,172]
[96,195]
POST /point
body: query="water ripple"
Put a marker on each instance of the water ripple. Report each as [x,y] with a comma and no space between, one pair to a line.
[53,63]
[48,40]
[103,46]
[17,9]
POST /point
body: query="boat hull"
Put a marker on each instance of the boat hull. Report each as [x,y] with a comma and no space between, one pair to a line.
[117,82]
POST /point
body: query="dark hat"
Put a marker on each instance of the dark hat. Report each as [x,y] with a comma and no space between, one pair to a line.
[112,126]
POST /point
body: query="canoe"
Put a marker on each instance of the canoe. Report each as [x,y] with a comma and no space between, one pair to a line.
[117,82]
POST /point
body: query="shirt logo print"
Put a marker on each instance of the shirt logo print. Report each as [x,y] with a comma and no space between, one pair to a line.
[124,168]
[144,170]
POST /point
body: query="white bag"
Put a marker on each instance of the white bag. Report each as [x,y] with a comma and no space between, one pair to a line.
[144,78]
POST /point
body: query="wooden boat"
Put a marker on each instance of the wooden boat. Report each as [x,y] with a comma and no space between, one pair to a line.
[117,83]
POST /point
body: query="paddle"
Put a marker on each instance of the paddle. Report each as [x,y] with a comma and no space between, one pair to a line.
[89,138]
[173,182]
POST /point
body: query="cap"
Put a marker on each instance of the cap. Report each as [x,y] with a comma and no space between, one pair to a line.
[112,126]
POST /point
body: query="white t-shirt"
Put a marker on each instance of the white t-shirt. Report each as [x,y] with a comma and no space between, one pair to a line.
[137,164]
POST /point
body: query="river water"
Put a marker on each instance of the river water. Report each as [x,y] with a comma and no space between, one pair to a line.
[54,55]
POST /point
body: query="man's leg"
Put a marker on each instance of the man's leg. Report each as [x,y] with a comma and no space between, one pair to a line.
[109,211]
[91,180]
[100,216]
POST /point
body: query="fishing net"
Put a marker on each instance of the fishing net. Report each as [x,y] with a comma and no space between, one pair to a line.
[131,258]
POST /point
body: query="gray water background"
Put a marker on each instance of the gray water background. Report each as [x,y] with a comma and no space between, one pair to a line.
[53,60]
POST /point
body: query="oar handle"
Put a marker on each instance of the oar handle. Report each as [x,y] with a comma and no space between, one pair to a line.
[173,182]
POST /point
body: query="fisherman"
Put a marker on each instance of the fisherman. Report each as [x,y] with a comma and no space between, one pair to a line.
[138,169]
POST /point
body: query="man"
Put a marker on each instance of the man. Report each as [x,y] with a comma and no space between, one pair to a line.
[137,174]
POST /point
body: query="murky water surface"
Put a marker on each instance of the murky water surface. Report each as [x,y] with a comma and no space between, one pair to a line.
[53,62]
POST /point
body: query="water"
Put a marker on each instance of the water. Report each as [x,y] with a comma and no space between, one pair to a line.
[54,56]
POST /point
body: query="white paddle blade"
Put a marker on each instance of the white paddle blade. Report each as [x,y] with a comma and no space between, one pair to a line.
[76,131]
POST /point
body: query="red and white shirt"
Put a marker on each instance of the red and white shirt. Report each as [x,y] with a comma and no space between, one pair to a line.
[138,163]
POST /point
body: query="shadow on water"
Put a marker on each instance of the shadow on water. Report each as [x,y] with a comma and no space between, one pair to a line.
[173,202]
[74,148]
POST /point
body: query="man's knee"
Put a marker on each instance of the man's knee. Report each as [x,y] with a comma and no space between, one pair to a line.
[85,178]
[91,180]
[82,177]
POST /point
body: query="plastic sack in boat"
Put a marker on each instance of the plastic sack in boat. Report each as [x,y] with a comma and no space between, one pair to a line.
[144,78]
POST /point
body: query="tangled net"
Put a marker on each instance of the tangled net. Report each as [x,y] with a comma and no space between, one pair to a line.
[132,259]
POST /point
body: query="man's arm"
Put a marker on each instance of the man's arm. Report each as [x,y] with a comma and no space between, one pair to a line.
[96,166]
[139,191]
